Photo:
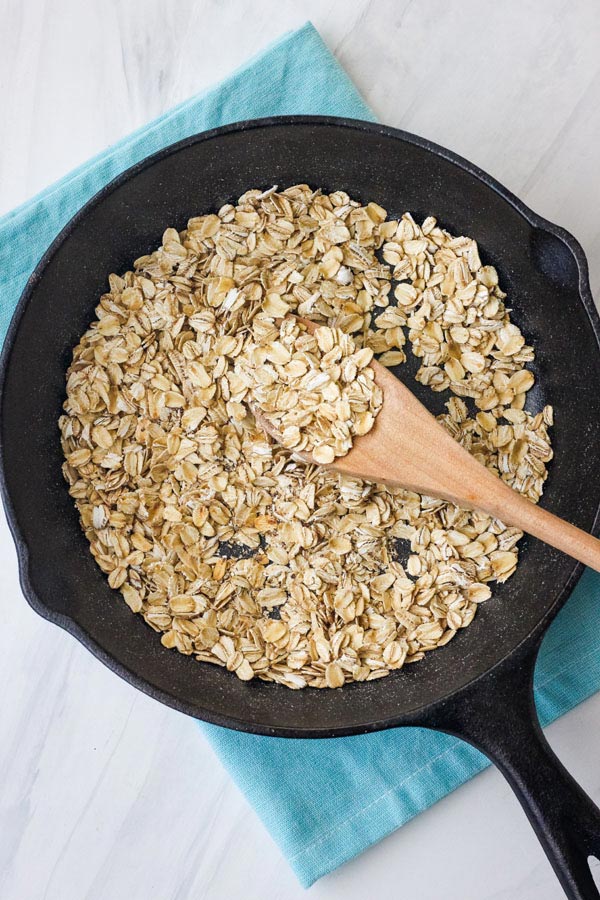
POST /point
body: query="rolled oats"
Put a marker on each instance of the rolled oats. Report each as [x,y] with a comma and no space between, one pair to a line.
[226,543]
[316,391]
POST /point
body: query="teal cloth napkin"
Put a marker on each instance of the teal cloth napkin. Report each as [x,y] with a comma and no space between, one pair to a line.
[323,801]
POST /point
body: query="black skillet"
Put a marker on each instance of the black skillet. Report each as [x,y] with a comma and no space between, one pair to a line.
[479,687]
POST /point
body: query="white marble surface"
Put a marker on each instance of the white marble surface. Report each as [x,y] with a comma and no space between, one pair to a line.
[104,794]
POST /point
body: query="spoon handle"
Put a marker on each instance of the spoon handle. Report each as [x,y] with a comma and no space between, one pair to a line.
[460,478]
[409,448]
[452,473]
[515,510]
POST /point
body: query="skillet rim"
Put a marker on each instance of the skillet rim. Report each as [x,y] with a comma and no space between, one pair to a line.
[531,640]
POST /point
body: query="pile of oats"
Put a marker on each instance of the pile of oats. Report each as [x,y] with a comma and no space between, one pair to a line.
[316,391]
[227,544]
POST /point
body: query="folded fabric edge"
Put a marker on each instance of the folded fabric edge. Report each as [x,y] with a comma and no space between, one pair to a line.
[452,768]
[446,772]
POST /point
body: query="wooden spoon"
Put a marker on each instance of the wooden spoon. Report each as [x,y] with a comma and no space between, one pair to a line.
[407,447]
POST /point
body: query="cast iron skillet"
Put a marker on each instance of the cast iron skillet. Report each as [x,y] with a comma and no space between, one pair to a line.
[479,687]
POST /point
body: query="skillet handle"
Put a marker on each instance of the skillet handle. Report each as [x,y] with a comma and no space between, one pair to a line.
[498,716]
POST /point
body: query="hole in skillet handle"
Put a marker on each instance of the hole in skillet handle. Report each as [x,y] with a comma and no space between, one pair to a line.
[497,715]
[594,864]
[554,258]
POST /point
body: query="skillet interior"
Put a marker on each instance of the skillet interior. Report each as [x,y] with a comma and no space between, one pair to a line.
[547,287]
